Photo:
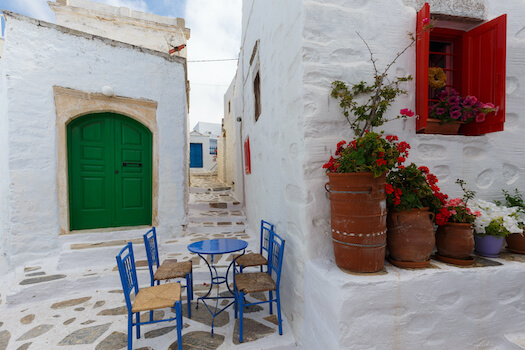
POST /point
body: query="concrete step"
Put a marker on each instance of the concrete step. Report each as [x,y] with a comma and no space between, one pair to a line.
[217,218]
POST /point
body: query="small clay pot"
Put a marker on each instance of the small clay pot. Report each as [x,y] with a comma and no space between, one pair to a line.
[516,243]
[410,236]
[455,240]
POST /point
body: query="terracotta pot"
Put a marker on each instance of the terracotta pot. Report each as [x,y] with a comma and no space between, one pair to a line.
[358,216]
[489,246]
[516,243]
[433,127]
[410,236]
[455,240]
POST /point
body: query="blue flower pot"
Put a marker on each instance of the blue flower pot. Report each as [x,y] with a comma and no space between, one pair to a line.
[488,246]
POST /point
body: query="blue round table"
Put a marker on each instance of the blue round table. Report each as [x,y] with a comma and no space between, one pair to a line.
[213,247]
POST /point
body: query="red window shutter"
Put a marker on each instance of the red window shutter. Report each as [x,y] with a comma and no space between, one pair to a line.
[247,158]
[422,48]
[484,57]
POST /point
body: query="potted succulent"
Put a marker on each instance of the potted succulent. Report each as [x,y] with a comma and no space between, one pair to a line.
[412,199]
[516,241]
[452,110]
[454,236]
[357,173]
[492,225]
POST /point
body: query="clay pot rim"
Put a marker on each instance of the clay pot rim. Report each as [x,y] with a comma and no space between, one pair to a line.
[357,173]
[407,210]
[459,224]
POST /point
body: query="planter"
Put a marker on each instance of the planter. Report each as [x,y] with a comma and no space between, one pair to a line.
[410,237]
[455,243]
[358,218]
[488,246]
[434,127]
[516,243]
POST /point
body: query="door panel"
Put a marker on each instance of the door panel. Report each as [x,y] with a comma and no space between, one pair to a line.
[110,165]
[196,155]
[90,165]
[133,183]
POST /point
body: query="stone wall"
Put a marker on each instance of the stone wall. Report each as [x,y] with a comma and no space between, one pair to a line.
[39,56]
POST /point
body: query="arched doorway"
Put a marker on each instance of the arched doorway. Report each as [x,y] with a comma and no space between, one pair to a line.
[110,172]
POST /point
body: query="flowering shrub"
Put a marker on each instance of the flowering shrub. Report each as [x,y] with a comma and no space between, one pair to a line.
[368,102]
[494,220]
[412,187]
[372,152]
[451,107]
[456,210]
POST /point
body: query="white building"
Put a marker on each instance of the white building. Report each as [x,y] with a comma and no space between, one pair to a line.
[94,131]
[203,157]
[283,125]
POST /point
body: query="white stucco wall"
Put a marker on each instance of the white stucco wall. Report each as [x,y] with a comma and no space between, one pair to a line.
[303,47]
[4,174]
[209,161]
[122,24]
[276,188]
[39,56]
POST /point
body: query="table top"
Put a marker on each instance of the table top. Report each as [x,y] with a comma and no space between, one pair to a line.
[217,246]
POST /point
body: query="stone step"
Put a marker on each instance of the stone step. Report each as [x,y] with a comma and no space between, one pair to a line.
[201,206]
[217,218]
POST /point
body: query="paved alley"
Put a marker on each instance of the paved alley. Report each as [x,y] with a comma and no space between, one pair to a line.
[75,301]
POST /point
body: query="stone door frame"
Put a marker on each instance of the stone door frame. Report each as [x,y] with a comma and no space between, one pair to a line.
[71,104]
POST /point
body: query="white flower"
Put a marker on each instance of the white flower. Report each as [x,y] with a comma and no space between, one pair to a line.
[510,216]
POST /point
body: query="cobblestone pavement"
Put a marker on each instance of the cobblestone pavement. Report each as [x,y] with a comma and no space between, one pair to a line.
[75,301]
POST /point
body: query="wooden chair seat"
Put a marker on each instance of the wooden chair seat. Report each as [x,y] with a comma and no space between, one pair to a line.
[254,282]
[157,297]
[169,270]
[251,259]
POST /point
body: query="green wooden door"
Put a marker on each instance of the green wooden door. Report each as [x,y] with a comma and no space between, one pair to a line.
[110,163]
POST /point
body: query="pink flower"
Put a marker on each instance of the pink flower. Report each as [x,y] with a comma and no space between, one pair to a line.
[488,105]
[407,112]
[425,21]
[455,202]
[480,117]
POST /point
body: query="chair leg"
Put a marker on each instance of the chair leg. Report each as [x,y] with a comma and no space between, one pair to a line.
[279,312]
[178,311]
[270,295]
[188,293]
[241,307]
[151,315]
[137,316]
[130,331]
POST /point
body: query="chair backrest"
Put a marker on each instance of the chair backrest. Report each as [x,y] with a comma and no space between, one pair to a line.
[276,257]
[266,233]
[128,273]
[150,242]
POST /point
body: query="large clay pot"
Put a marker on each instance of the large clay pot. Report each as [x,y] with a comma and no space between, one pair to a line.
[455,240]
[358,216]
[410,237]
[489,246]
[516,243]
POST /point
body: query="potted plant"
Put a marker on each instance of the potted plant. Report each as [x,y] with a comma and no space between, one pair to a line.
[516,241]
[494,223]
[357,174]
[412,199]
[454,236]
[358,201]
[452,110]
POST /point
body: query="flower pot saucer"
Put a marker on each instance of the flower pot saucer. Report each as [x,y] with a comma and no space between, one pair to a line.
[486,255]
[463,262]
[517,251]
[409,264]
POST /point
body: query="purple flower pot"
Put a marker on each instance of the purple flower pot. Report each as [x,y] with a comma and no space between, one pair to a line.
[488,245]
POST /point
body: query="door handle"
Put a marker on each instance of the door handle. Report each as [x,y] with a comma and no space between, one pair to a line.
[127,164]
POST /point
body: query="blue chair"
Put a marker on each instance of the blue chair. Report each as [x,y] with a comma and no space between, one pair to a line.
[168,269]
[146,299]
[253,282]
[258,259]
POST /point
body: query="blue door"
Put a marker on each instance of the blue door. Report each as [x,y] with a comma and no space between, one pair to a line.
[195,155]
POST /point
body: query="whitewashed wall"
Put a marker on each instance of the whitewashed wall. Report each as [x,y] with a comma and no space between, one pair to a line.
[304,46]
[39,55]
[4,174]
[208,160]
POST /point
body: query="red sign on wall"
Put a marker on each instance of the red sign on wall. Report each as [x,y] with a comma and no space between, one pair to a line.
[247,159]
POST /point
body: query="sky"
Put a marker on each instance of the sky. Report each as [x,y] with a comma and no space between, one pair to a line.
[215,35]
